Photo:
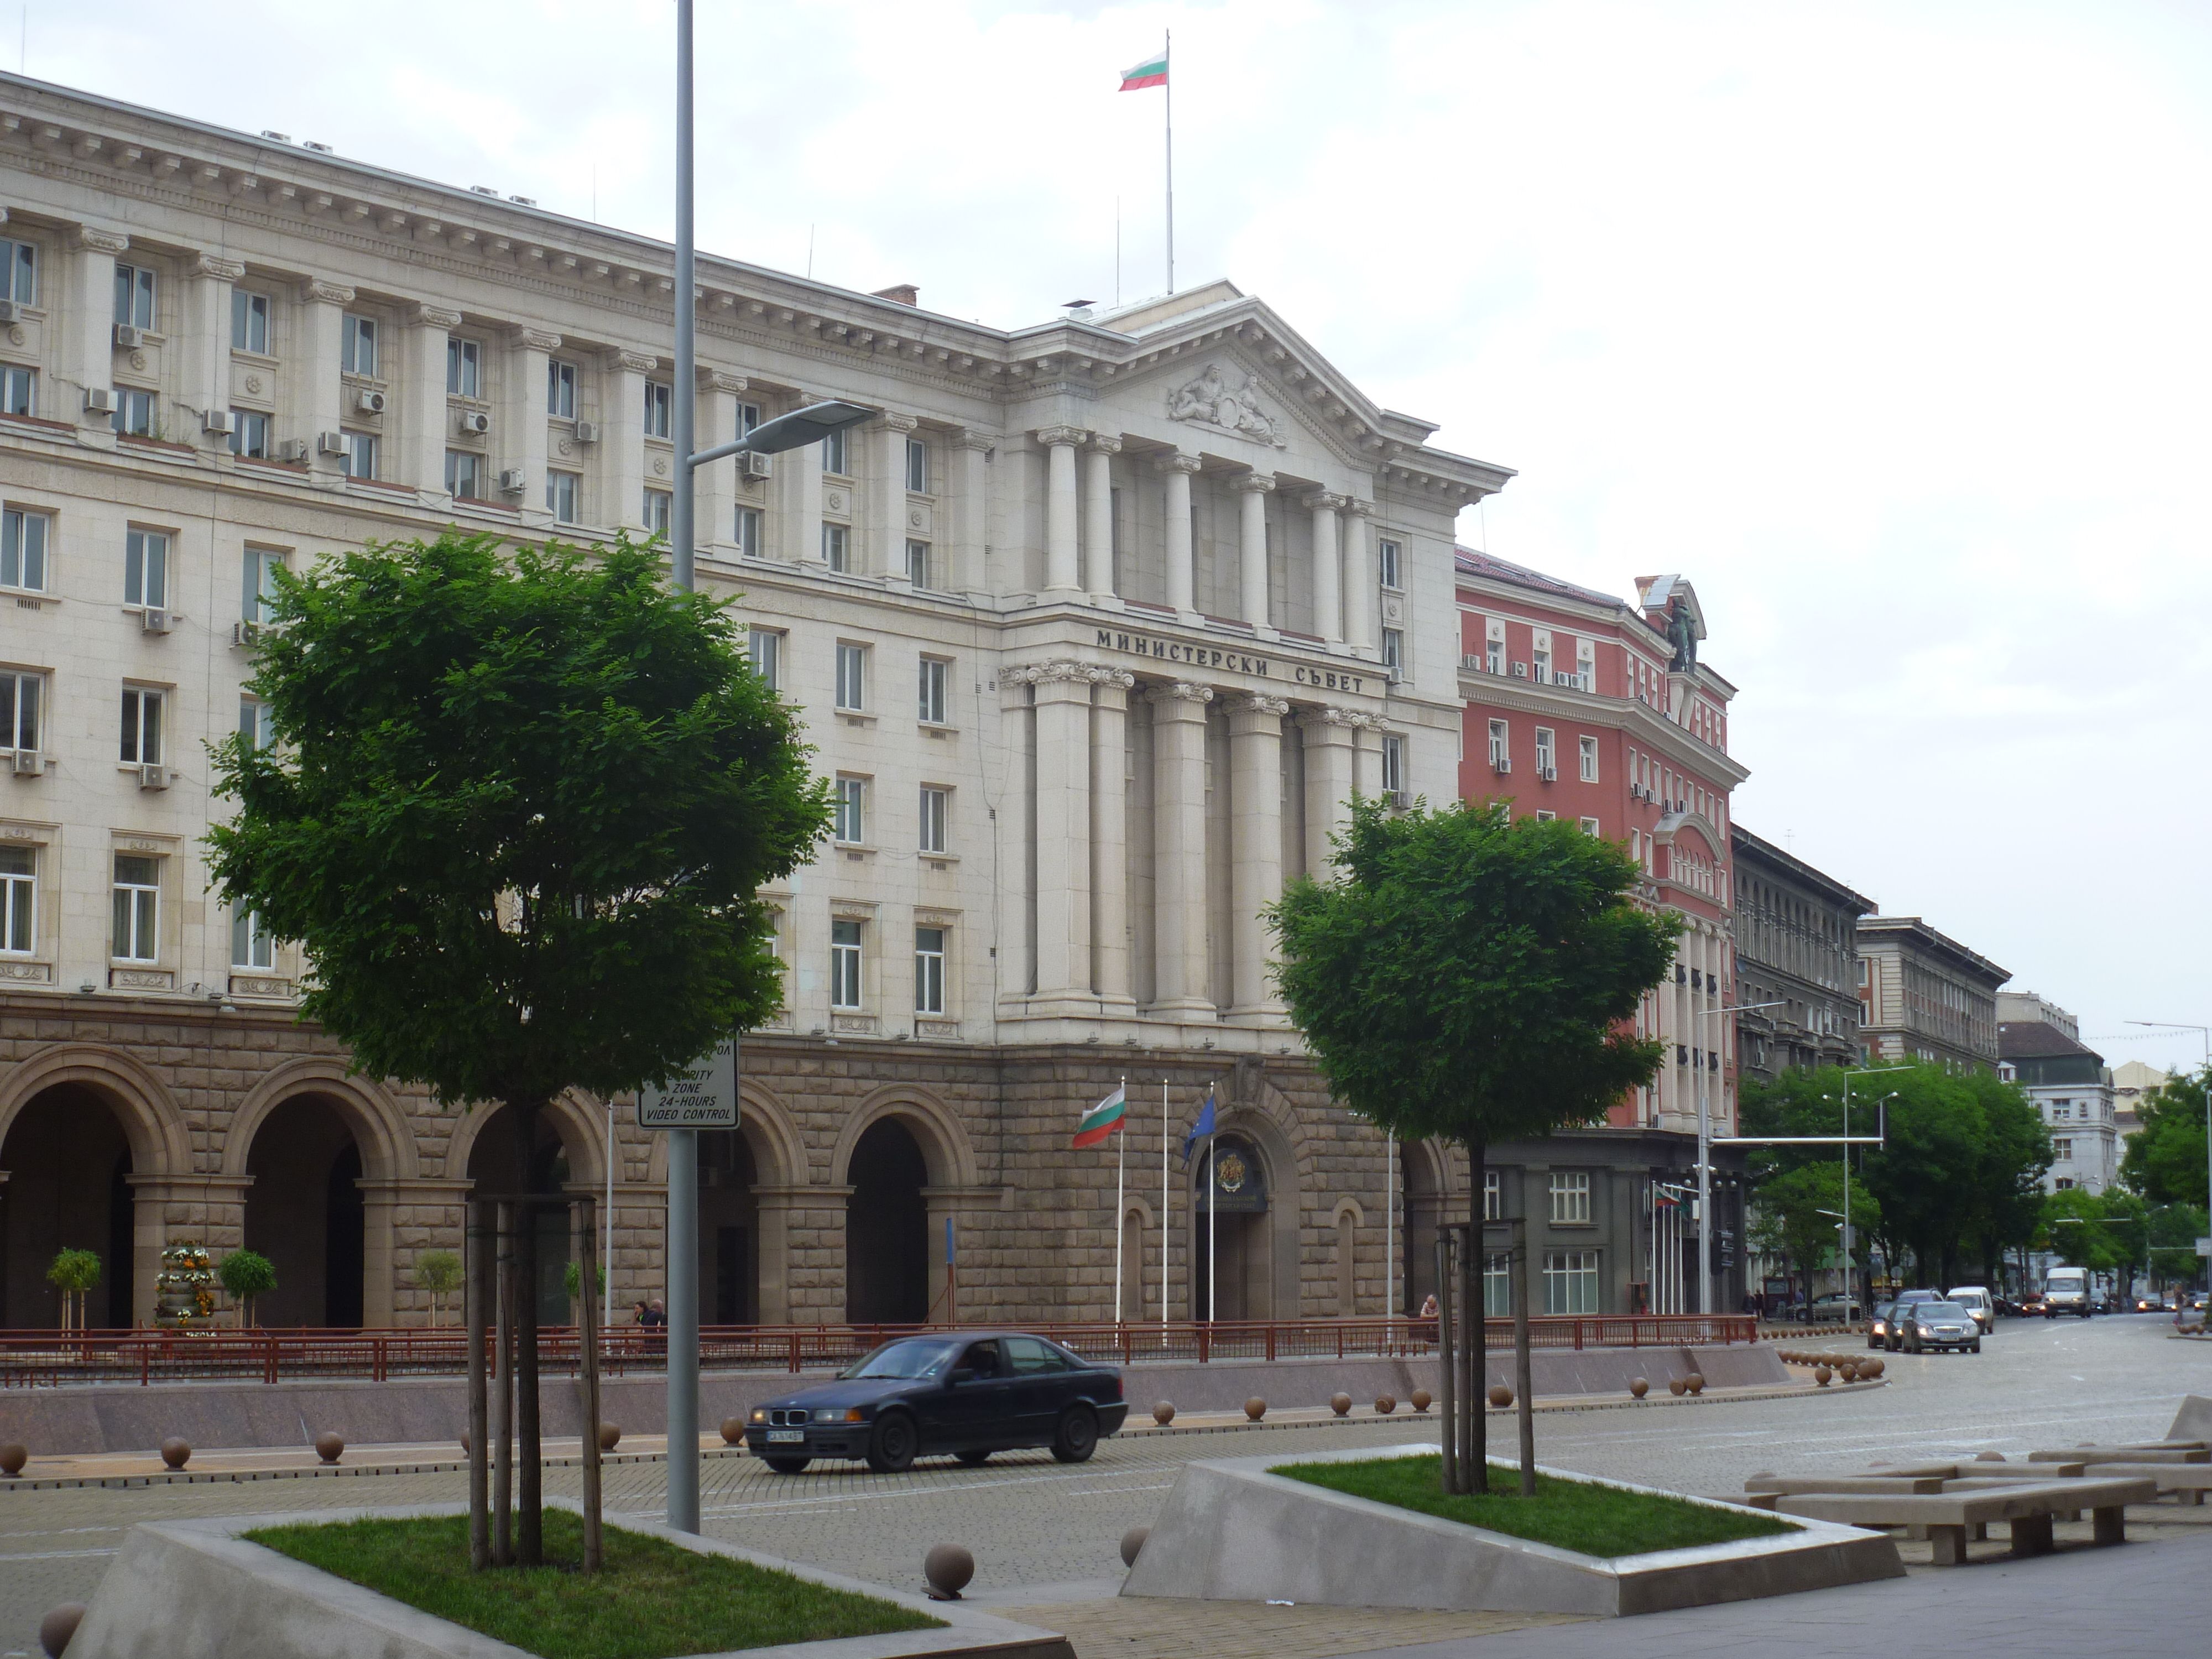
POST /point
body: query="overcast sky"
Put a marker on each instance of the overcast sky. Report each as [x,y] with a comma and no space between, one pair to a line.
[1885,325]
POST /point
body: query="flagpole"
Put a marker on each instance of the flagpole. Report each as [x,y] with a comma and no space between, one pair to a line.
[1163,1212]
[1120,1198]
[1167,56]
[1213,1235]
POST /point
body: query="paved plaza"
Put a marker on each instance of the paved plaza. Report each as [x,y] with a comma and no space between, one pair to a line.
[1045,1535]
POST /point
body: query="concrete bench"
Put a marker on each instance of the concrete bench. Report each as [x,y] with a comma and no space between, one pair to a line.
[2130,1454]
[2027,1509]
[2187,1482]
[1795,1483]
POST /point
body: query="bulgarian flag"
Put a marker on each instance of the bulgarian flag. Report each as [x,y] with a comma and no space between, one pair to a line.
[1152,72]
[1101,1121]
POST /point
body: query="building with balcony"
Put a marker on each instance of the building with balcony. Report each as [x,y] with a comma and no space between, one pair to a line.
[1796,946]
[1925,996]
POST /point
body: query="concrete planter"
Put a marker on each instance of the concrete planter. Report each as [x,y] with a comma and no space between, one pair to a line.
[196,1587]
[1230,1531]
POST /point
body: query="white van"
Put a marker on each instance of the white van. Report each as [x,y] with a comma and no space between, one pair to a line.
[2066,1290]
[1975,1301]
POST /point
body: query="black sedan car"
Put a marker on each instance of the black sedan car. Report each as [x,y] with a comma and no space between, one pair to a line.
[967,1394]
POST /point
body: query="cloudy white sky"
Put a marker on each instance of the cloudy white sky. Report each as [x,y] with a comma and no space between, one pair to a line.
[1887,324]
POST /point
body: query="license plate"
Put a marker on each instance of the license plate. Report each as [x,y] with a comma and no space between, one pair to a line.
[786,1437]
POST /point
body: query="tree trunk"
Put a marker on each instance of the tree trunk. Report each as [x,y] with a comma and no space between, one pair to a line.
[530,1514]
[1474,1449]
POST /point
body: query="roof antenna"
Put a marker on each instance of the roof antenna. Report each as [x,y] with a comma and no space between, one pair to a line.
[810,253]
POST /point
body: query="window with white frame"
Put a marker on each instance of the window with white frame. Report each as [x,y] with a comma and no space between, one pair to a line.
[1589,827]
[1590,760]
[1570,1197]
[1493,649]
[1394,649]
[137,910]
[258,569]
[658,400]
[23,694]
[1491,1182]
[834,453]
[1390,555]
[362,452]
[19,270]
[746,532]
[917,466]
[249,435]
[251,946]
[256,722]
[1570,1281]
[19,899]
[357,345]
[929,970]
[836,546]
[146,569]
[134,413]
[852,677]
[936,802]
[936,682]
[24,537]
[1393,763]
[134,296]
[560,389]
[2061,1110]
[1586,665]
[141,726]
[1496,1285]
[765,646]
[465,475]
[844,964]
[1501,744]
[1546,753]
[917,562]
[659,506]
[1544,817]
[1539,660]
[561,489]
[2062,1150]
[249,321]
[464,368]
[850,822]
[19,390]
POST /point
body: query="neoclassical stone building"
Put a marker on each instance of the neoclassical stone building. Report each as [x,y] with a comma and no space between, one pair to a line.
[1097,626]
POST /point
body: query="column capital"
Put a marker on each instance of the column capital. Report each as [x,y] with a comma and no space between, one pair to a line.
[1327,717]
[537,339]
[1178,461]
[94,239]
[1106,443]
[430,316]
[720,380]
[1120,678]
[1054,437]
[1359,508]
[316,291]
[215,265]
[635,362]
[1179,691]
[1060,671]
[1258,702]
[1253,484]
[1371,722]
[1321,502]
[888,421]
[969,438]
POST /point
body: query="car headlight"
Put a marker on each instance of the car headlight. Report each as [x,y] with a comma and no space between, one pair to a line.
[826,1415]
[760,1414]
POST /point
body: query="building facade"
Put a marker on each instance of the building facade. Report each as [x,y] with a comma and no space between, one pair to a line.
[1097,626]
[2131,1080]
[2040,1047]
[1925,996]
[1797,943]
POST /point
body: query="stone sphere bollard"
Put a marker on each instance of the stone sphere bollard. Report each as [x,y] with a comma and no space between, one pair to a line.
[464,1442]
[610,1436]
[1989,1457]
[58,1625]
[12,1458]
[176,1452]
[1696,1381]
[1340,1404]
[1133,1544]
[1872,1367]
[1821,1375]
[1639,1387]
[1421,1397]
[1676,1387]
[948,1568]
[1163,1413]
[733,1430]
[1500,1395]
[1385,1404]
[1255,1408]
[330,1446]
[1848,1369]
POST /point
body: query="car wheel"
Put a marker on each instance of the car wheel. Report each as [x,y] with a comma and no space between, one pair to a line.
[891,1447]
[1076,1436]
[974,1456]
[1913,1345]
[1974,1347]
[1873,1342]
[788,1465]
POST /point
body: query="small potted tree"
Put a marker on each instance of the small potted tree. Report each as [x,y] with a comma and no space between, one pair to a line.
[73,1272]
[438,1272]
[247,1275]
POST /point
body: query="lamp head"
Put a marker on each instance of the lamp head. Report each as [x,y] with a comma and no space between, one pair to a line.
[805,426]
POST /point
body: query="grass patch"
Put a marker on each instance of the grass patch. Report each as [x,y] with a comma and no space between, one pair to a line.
[651,1601]
[1571,1515]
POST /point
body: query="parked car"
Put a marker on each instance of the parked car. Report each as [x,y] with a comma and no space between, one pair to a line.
[2031,1305]
[1892,1325]
[967,1395]
[1975,1301]
[2006,1306]
[1939,1325]
[1831,1308]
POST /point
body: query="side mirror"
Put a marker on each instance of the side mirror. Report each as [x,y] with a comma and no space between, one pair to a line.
[960,1374]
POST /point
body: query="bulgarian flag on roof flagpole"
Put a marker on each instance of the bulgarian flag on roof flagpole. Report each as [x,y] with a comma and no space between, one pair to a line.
[1101,1121]
[1152,72]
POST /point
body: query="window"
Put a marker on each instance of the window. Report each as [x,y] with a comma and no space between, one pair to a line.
[1586,666]
[917,466]
[249,321]
[464,368]
[1570,1281]
[19,391]
[1496,1285]
[1590,760]
[141,726]
[357,345]
[852,676]
[134,296]
[258,585]
[250,943]
[1501,743]
[836,542]
[360,454]
[659,506]
[748,418]
[137,907]
[748,532]
[23,538]
[1393,763]
[934,801]
[766,645]
[1394,649]
[1490,1190]
[844,964]
[656,399]
[1570,1197]
[560,495]
[936,672]
[146,569]
[1493,657]
[2062,1150]
[465,475]
[851,823]
[929,970]
[256,722]
[1539,664]
[1388,554]
[18,893]
[19,271]
[917,563]
[560,389]
[2061,1110]
[134,413]
[834,453]
[1547,756]
[1543,817]
[20,694]
[249,435]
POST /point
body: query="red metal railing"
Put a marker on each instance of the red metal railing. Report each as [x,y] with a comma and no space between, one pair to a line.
[50,1359]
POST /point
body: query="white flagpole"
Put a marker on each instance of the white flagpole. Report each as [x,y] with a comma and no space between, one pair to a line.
[1121,1194]
[1167,57]
[1213,1235]
[1163,1211]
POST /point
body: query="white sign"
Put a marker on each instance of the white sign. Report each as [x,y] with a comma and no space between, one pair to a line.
[704,1097]
[2204,1247]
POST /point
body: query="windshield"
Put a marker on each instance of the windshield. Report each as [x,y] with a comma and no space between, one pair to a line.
[2063,1281]
[1941,1310]
[908,1358]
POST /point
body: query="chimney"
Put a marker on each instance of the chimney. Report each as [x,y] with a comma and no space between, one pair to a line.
[901,294]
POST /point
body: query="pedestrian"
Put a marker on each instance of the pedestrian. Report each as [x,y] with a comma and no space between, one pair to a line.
[655,1315]
[639,1314]
[1429,1316]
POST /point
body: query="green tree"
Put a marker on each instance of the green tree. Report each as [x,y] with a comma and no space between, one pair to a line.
[2074,1229]
[1464,977]
[247,1275]
[438,1272]
[1803,1207]
[73,1272]
[518,809]
[2164,1159]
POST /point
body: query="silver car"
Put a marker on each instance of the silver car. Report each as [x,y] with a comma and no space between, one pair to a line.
[1925,1325]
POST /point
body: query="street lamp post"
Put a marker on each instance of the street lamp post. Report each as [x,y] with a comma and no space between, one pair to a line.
[1705,1159]
[1892,1095]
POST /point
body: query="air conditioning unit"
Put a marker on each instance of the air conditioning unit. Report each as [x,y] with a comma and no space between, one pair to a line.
[587,432]
[154,775]
[29,764]
[154,621]
[245,633]
[1501,764]
[513,481]
[1520,671]
[1549,774]
[219,423]
[10,312]
[128,338]
[471,422]
[753,465]
[330,443]
[1473,665]
[367,402]
[292,449]
[98,400]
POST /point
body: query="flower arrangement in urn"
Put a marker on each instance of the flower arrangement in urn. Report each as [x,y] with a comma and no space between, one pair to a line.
[184,1293]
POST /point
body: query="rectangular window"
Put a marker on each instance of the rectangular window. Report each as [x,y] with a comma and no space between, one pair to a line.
[1570,1281]
[1589,827]
[249,435]
[249,321]
[837,544]
[657,400]
[2062,1150]
[250,943]
[146,569]
[844,964]
[1539,665]
[852,677]
[1570,1197]
[834,453]
[1388,555]
[465,475]
[1393,763]
[1586,667]
[917,563]
[257,586]
[747,532]
[936,676]
[138,908]
[23,539]
[659,506]
[134,296]
[141,726]
[19,271]
[357,345]
[934,802]
[560,495]
[19,894]
[1394,649]
[748,418]
[1498,1285]
[917,466]
[1501,744]
[1493,657]
[929,970]
[766,645]
[1547,756]
[19,391]
[851,819]
[361,456]
[20,697]
[1489,1191]
[134,413]
[256,722]
[464,368]
[1590,760]
[560,389]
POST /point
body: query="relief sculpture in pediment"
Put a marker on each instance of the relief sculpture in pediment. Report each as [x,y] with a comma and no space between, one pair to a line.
[1213,401]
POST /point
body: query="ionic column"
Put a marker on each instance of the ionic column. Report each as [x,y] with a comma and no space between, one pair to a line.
[1359,581]
[1331,735]
[1098,516]
[1179,845]
[422,418]
[87,324]
[1328,586]
[970,509]
[1062,713]
[318,383]
[1367,765]
[1255,853]
[1063,564]
[1182,574]
[886,487]
[716,500]
[1252,544]
[1109,834]
[520,432]
[621,441]
[205,347]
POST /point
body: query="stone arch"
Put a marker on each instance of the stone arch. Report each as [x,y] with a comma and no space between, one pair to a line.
[935,1127]
[152,1122]
[1425,1194]
[1140,1279]
[1344,1222]
[1260,1255]
[580,1124]
[379,1126]
[771,1133]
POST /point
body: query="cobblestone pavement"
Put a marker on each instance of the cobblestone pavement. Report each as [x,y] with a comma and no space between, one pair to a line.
[1045,1535]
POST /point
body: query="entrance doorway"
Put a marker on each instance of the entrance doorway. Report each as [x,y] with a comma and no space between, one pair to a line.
[887,1228]
[729,1230]
[1422,1216]
[492,1168]
[1232,1250]
[68,1187]
[304,1213]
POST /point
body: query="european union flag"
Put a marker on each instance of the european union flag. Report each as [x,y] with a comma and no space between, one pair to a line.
[1201,1129]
